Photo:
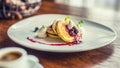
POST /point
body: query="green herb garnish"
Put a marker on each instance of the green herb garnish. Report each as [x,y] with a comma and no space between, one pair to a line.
[43,27]
[80,22]
[67,17]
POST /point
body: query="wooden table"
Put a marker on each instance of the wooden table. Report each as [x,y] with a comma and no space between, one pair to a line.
[104,57]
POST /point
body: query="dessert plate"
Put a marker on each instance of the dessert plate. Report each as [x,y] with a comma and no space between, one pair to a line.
[95,35]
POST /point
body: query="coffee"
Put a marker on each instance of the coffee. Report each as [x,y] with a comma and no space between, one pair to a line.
[10,56]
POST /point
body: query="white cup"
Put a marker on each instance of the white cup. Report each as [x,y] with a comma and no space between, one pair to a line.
[21,62]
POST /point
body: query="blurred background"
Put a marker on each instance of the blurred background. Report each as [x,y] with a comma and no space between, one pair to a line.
[104,11]
[105,4]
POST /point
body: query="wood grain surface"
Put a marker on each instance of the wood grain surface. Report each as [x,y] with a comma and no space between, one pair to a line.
[104,57]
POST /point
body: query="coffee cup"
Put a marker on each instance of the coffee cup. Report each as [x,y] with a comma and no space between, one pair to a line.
[14,57]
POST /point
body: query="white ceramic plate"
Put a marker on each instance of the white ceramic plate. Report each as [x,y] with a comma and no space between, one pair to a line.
[95,35]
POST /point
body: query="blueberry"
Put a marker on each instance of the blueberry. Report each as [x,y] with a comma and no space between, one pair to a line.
[71,32]
[77,42]
[36,29]
[75,30]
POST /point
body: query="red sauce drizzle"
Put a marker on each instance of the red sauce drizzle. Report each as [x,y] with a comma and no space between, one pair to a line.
[59,44]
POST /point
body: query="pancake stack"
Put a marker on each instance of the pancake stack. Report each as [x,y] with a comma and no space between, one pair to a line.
[59,30]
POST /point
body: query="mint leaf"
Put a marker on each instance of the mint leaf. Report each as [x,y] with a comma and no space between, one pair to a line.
[67,17]
[80,22]
[43,27]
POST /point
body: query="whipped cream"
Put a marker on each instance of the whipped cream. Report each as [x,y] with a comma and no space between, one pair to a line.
[70,25]
[42,32]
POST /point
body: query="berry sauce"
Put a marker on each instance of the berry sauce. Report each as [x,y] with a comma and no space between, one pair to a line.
[50,27]
[73,31]
[59,44]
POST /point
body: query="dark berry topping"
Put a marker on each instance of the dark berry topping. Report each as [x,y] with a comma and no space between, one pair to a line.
[77,42]
[73,31]
[36,29]
[50,26]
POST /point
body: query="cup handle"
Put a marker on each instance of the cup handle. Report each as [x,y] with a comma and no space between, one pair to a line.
[33,58]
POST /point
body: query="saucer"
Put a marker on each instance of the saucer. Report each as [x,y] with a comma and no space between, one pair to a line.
[33,64]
